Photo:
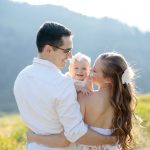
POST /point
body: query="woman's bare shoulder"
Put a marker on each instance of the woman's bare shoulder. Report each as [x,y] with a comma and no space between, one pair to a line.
[95,100]
[94,96]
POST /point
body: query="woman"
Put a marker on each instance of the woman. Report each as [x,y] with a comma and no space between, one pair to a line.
[109,110]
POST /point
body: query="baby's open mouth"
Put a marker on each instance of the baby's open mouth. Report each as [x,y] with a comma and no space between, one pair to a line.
[79,75]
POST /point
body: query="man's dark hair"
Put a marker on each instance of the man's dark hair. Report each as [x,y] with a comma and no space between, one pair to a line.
[51,33]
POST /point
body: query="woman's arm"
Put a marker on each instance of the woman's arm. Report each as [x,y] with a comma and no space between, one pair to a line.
[54,140]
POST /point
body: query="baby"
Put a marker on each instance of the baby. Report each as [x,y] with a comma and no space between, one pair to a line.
[79,70]
[79,67]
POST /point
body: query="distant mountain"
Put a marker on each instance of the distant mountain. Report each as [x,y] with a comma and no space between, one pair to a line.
[20,22]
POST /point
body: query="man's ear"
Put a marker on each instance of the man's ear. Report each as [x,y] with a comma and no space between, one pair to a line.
[47,49]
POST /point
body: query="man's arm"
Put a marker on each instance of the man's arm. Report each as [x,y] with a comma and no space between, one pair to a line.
[59,140]
[93,138]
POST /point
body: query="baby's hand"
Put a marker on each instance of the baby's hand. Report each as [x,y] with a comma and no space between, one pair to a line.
[81,87]
[89,83]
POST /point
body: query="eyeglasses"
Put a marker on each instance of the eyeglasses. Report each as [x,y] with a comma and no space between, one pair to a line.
[67,50]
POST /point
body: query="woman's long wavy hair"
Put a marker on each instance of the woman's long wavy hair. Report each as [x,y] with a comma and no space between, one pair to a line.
[122,97]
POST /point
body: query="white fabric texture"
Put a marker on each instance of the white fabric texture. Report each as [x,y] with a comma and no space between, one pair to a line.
[47,102]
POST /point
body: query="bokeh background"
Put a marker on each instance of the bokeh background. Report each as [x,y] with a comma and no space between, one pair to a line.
[96,29]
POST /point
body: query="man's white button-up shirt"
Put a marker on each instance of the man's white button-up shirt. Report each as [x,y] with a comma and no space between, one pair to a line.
[47,101]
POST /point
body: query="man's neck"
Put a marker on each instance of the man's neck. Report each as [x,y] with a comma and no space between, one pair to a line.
[41,56]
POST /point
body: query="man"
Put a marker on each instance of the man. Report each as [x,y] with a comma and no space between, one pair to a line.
[47,99]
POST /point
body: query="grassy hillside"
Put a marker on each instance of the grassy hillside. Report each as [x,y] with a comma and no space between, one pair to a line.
[12,130]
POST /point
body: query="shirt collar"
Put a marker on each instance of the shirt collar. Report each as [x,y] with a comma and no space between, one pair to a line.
[45,63]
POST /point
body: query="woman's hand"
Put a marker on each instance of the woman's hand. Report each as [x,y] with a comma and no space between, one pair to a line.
[30,136]
[53,140]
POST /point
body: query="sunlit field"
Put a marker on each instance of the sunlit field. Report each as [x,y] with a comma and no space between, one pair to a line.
[12,129]
[12,133]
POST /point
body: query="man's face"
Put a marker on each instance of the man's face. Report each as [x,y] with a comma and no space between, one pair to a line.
[60,57]
[79,70]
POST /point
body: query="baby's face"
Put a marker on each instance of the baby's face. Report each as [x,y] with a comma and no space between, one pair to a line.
[79,70]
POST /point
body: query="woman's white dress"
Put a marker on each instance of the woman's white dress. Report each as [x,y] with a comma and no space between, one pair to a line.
[102,147]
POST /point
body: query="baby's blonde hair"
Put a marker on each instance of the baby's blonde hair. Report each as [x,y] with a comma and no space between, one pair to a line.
[79,57]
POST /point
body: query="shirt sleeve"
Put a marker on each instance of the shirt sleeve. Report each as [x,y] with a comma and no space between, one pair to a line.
[68,110]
